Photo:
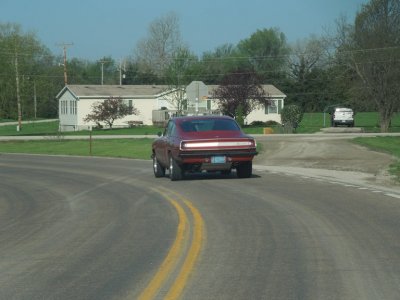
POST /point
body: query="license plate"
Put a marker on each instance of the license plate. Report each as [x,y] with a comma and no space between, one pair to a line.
[218,159]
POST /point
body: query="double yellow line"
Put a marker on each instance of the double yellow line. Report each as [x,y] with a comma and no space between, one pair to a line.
[189,236]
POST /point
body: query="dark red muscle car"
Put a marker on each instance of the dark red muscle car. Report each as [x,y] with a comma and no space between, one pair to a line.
[197,143]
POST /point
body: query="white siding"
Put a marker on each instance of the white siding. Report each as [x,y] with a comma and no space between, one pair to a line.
[84,108]
[73,109]
[67,112]
[144,106]
[270,113]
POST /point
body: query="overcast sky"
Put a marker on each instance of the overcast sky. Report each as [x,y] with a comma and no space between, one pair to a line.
[99,28]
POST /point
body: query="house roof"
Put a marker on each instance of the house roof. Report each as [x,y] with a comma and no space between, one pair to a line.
[269,89]
[105,91]
[139,91]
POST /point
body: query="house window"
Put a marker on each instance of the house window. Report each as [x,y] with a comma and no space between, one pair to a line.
[73,107]
[275,107]
[63,107]
[68,107]
[209,104]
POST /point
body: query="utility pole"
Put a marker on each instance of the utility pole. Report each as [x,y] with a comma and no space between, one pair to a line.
[121,75]
[34,99]
[64,46]
[19,127]
[102,69]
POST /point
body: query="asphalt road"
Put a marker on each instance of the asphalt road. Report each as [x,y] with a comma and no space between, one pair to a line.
[91,228]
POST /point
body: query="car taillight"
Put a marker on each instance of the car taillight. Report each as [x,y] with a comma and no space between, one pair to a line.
[188,145]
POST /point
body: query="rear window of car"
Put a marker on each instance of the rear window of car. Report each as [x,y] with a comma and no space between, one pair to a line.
[199,125]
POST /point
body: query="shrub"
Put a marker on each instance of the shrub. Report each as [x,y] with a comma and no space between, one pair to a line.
[264,124]
[291,117]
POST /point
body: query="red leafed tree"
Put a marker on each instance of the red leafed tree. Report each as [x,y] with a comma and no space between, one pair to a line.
[239,93]
[109,110]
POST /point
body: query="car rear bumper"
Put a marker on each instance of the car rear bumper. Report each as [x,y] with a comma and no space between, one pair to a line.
[219,153]
[343,122]
[206,157]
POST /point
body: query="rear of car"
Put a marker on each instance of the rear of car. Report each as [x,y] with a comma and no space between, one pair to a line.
[343,116]
[207,143]
[216,154]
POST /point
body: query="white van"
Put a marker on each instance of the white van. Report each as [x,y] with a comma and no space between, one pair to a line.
[342,116]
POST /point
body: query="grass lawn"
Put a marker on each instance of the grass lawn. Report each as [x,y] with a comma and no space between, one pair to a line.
[51,128]
[140,148]
[311,123]
[129,148]
[369,121]
[46,128]
[385,144]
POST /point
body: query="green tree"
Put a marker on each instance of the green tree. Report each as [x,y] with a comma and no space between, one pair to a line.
[307,65]
[109,110]
[223,60]
[179,73]
[291,116]
[371,50]
[135,74]
[266,52]
[29,78]
[105,70]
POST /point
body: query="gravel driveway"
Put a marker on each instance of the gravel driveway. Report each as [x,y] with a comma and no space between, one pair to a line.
[331,157]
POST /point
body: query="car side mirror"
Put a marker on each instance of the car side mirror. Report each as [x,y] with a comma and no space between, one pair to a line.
[159,133]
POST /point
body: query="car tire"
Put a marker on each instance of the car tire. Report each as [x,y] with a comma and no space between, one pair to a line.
[244,170]
[159,170]
[175,171]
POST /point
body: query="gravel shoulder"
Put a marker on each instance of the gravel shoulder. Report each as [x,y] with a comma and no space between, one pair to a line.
[324,156]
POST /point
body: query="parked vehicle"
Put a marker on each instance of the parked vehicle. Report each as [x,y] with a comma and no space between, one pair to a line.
[342,116]
[198,143]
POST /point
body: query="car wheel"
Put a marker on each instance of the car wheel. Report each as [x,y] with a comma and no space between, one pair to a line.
[175,171]
[159,170]
[244,170]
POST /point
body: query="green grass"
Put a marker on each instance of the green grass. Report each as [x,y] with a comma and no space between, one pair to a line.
[140,148]
[6,120]
[138,130]
[47,128]
[129,148]
[51,128]
[311,123]
[385,144]
[369,121]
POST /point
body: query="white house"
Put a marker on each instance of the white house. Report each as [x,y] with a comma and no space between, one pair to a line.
[76,101]
[263,113]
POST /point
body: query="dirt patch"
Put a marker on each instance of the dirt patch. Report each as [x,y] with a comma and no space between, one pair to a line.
[337,157]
